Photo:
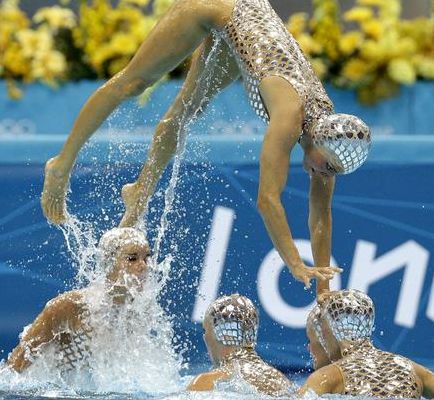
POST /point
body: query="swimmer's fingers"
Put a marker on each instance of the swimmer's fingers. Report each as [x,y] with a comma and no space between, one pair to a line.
[321,275]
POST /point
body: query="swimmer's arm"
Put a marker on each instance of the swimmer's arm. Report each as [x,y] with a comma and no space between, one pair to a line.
[286,114]
[427,378]
[41,331]
[205,382]
[320,223]
[325,380]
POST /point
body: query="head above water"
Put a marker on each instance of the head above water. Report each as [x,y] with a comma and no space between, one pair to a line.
[347,317]
[123,251]
[317,345]
[230,321]
[336,144]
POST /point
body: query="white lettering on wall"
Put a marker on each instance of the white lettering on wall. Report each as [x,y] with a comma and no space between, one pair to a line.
[214,262]
[367,270]
[269,293]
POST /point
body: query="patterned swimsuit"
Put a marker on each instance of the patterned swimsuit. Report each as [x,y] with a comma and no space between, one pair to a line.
[263,47]
[264,378]
[371,372]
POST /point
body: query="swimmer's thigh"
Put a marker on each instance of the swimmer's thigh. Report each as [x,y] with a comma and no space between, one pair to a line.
[175,37]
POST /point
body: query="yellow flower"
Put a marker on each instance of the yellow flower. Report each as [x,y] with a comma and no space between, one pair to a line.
[297,23]
[373,51]
[161,7]
[34,41]
[15,62]
[122,44]
[350,42]
[405,47]
[118,65]
[139,3]
[425,67]
[390,10]
[358,14]
[373,28]
[319,67]
[402,71]
[56,17]
[49,65]
[377,3]
[356,70]
[308,44]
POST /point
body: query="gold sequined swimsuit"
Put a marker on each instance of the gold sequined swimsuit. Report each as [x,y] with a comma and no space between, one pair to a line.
[264,378]
[372,372]
[263,47]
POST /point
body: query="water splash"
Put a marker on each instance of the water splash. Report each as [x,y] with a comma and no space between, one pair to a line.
[132,347]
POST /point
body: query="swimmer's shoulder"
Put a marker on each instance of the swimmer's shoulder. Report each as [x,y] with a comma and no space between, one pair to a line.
[325,380]
[65,306]
[206,381]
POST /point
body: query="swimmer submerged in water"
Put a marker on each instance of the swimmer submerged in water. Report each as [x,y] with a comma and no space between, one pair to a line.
[233,38]
[231,326]
[346,321]
[64,322]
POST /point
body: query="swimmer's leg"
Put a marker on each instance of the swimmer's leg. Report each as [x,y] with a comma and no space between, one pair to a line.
[174,38]
[213,68]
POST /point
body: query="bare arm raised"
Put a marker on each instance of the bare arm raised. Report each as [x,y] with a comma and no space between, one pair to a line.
[286,114]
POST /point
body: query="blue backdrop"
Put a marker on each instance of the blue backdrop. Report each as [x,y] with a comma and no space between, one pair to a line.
[383,237]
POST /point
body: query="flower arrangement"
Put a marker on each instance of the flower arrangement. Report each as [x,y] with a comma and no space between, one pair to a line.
[375,54]
[369,48]
[57,45]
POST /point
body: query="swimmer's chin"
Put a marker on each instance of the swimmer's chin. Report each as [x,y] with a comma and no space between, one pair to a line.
[123,294]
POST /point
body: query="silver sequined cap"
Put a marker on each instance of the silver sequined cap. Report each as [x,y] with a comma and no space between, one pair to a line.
[113,240]
[350,314]
[235,320]
[346,137]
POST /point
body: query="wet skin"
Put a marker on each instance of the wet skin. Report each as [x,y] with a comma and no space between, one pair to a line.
[319,355]
[184,30]
[328,379]
[126,277]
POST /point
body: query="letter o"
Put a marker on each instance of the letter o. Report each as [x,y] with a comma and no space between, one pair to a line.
[268,287]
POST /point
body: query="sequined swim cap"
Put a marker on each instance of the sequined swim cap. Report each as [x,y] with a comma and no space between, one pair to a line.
[235,320]
[345,137]
[112,241]
[350,314]
[313,323]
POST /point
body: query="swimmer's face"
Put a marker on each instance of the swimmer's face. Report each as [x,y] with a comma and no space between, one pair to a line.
[319,355]
[211,342]
[132,261]
[317,161]
[333,348]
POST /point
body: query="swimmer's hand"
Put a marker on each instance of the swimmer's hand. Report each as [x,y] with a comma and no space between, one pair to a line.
[305,274]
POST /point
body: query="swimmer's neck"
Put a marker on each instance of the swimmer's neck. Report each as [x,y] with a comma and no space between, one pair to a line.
[348,346]
[227,351]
